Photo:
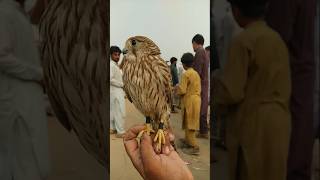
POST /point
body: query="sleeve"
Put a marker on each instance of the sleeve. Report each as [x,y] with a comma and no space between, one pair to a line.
[9,63]
[182,87]
[113,80]
[198,64]
[230,87]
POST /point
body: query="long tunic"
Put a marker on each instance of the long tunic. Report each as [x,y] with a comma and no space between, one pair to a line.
[190,89]
[201,65]
[294,21]
[117,102]
[23,121]
[174,74]
[255,86]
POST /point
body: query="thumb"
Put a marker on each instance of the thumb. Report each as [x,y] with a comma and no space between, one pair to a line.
[148,154]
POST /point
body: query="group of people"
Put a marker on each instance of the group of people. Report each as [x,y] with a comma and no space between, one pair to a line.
[192,89]
[264,93]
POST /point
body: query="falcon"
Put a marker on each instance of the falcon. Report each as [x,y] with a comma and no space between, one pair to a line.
[147,83]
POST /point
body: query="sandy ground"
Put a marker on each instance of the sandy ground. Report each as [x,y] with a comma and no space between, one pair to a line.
[221,171]
[69,161]
[122,168]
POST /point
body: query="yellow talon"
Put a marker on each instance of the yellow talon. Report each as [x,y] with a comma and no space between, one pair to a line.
[160,137]
[148,129]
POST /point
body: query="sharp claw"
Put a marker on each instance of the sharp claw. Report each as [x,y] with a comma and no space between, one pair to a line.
[164,139]
[140,134]
[155,138]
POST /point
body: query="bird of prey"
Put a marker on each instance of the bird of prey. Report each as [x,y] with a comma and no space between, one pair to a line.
[75,43]
[147,83]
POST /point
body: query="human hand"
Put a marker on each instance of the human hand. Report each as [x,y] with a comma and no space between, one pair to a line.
[150,165]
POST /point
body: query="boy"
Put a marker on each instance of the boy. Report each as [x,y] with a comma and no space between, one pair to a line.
[255,87]
[190,90]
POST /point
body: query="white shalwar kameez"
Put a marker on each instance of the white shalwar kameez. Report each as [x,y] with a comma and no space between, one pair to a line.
[117,101]
[23,121]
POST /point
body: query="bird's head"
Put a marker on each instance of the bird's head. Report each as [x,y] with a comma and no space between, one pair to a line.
[140,46]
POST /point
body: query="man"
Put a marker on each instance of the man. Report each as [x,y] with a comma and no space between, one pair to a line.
[175,81]
[294,21]
[208,54]
[23,121]
[190,88]
[254,91]
[180,72]
[201,64]
[117,102]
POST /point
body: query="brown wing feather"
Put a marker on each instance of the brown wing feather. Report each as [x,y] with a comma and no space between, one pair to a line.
[75,36]
[147,80]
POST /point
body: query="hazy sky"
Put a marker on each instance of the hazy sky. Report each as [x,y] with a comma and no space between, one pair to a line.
[170,24]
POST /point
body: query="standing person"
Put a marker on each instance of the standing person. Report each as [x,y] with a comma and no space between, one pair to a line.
[255,87]
[175,81]
[117,102]
[208,54]
[180,72]
[23,121]
[200,64]
[294,21]
[190,89]
[228,29]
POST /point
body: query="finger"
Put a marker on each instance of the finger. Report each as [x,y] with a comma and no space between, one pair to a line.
[133,132]
[171,148]
[171,137]
[165,150]
[155,148]
[148,155]
[131,147]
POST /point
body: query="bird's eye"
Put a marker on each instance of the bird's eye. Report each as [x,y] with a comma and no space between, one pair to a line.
[133,42]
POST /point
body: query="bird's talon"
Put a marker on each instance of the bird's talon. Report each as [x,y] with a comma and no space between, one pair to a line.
[160,138]
[148,129]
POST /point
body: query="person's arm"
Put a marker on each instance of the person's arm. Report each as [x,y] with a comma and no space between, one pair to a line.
[182,86]
[113,80]
[198,64]
[9,63]
[230,88]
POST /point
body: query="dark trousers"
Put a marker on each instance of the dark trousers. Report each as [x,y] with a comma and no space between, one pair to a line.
[203,123]
[302,132]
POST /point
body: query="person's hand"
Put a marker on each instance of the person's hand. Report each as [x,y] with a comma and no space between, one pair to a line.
[150,165]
